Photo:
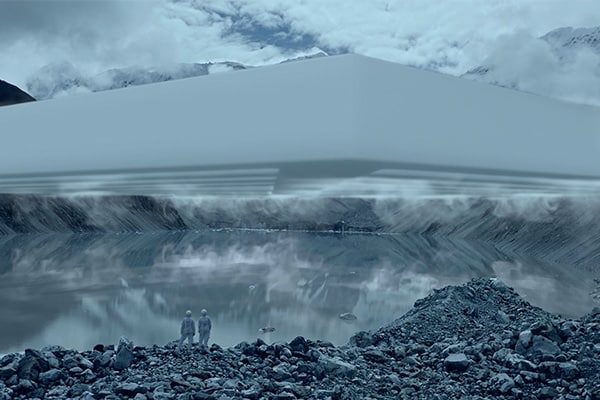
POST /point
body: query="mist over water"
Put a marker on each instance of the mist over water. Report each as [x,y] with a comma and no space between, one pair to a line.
[78,290]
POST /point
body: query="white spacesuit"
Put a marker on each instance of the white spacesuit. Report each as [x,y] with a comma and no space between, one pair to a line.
[188,329]
[204,327]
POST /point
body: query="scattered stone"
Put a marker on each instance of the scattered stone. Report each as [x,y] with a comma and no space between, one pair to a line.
[457,362]
[475,341]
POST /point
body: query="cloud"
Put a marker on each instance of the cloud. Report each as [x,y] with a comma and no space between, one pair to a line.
[522,61]
[450,36]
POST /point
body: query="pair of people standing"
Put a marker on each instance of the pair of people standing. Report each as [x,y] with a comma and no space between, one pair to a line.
[188,328]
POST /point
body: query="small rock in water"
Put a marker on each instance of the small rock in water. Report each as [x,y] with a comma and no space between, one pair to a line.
[348,316]
[267,329]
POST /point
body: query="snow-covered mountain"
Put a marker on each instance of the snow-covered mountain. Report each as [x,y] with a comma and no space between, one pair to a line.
[60,79]
[566,40]
[532,64]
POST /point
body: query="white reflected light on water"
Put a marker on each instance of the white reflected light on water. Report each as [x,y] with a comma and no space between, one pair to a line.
[77,291]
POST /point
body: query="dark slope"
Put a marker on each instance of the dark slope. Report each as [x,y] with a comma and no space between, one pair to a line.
[10,94]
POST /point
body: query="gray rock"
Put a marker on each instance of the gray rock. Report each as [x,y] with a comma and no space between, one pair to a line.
[78,389]
[374,355]
[84,363]
[51,376]
[524,342]
[299,344]
[12,381]
[516,361]
[131,389]
[568,371]
[542,347]
[503,383]
[362,339]
[454,348]
[7,372]
[457,362]
[281,372]
[547,392]
[103,360]
[502,317]
[252,393]
[337,367]
[546,329]
[70,361]
[51,358]
[87,396]
[284,396]
[88,376]
[25,386]
[6,393]
[31,365]
[124,355]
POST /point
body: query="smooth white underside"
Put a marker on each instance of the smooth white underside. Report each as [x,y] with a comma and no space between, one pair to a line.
[344,108]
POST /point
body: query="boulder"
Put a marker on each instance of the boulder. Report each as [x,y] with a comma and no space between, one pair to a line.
[299,344]
[457,362]
[131,389]
[543,348]
[124,355]
[51,376]
[503,383]
[7,372]
[31,365]
[337,367]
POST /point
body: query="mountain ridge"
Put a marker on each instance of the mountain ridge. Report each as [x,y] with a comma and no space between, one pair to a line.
[562,51]
[11,94]
[60,79]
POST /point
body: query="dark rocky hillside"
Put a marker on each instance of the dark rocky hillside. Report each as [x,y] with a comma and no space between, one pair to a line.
[10,94]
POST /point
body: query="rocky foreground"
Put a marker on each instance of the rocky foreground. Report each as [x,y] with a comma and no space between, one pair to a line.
[475,341]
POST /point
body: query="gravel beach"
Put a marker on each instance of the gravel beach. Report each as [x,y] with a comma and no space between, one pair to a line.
[479,340]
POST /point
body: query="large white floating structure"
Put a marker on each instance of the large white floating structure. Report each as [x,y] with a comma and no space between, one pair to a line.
[301,126]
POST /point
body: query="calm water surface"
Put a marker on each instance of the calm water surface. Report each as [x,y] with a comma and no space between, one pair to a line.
[79,290]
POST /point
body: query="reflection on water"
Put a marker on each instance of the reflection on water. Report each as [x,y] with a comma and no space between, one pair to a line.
[80,290]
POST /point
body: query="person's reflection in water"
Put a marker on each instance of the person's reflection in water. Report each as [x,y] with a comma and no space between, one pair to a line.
[188,329]
[204,327]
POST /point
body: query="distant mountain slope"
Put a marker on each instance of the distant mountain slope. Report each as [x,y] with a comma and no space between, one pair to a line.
[60,79]
[567,39]
[10,94]
[529,64]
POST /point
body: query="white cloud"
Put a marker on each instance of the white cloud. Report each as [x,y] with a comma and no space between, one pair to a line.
[451,36]
[531,64]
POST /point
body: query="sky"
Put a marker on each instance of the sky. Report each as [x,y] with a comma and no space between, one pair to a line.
[450,36]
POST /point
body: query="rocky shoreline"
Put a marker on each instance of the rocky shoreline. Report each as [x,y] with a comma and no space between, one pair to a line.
[479,340]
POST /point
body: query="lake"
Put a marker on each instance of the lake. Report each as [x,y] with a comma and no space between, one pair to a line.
[81,289]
